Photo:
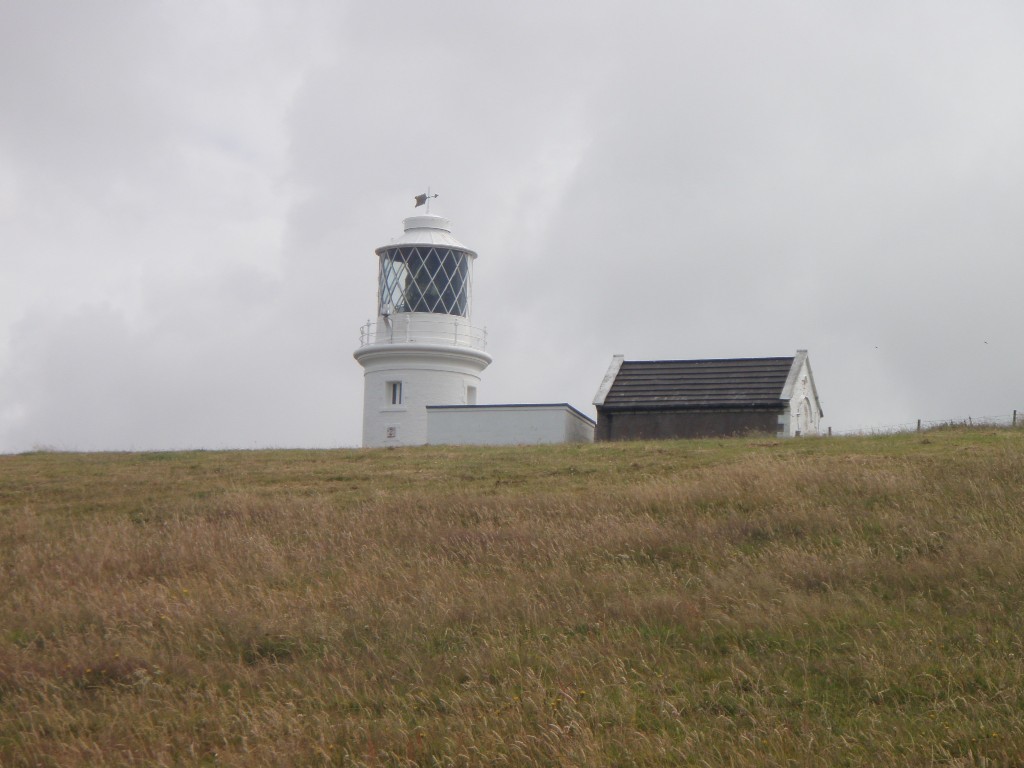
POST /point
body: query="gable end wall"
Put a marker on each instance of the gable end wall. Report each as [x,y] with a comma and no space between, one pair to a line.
[803,413]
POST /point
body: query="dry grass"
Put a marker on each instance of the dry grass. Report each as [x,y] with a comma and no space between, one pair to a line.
[855,601]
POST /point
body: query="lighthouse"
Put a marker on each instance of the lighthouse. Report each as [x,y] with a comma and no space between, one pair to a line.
[423,349]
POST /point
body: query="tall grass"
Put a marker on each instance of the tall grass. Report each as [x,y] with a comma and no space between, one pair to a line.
[855,601]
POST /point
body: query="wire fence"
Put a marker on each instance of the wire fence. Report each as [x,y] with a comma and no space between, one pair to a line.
[1015,419]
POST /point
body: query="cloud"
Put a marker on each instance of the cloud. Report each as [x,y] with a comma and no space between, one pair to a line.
[220,372]
[190,198]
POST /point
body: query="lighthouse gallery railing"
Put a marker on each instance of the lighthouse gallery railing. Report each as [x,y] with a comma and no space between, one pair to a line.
[423,330]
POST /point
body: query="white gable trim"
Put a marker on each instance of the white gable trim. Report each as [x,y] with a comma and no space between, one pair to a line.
[800,361]
[794,374]
[609,379]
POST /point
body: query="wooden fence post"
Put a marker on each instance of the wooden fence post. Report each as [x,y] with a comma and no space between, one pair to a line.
[918,425]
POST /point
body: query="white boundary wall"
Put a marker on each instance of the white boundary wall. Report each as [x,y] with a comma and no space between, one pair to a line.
[507,425]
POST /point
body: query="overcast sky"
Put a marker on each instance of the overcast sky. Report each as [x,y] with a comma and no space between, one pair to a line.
[191,194]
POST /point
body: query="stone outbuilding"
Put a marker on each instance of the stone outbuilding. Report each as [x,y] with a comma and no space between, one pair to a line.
[650,399]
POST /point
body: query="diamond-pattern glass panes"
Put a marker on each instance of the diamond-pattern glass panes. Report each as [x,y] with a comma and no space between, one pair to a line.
[424,279]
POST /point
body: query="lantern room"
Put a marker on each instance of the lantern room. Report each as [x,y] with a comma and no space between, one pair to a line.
[426,270]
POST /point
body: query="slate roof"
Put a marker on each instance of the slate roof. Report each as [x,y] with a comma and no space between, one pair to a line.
[753,382]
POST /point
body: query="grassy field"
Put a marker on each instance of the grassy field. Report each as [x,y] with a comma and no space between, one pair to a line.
[832,602]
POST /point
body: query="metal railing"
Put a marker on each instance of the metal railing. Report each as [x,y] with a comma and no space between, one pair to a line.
[423,330]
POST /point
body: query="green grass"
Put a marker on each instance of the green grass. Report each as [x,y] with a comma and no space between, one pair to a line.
[846,601]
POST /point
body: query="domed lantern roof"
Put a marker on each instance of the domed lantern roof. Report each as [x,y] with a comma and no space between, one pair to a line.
[428,229]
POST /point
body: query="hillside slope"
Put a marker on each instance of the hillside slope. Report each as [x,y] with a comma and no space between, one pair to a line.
[847,601]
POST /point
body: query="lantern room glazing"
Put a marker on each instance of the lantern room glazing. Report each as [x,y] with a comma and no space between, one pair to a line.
[425,278]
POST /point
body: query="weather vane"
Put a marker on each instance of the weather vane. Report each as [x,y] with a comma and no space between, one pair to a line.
[424,200]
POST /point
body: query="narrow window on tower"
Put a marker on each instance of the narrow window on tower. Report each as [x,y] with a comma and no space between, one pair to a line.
[394,392]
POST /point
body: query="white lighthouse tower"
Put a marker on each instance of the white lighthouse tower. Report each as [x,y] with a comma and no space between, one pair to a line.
[423,349]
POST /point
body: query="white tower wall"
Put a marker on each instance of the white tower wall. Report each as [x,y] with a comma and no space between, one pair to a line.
[427,374]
